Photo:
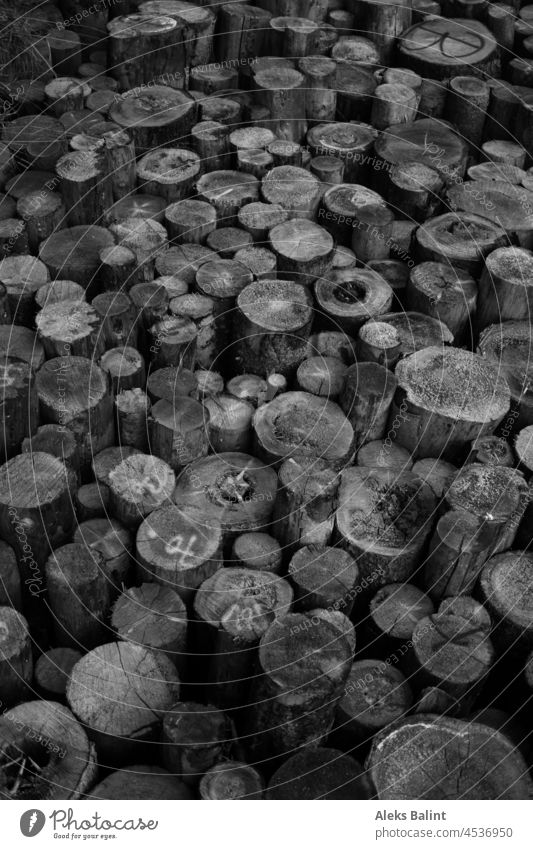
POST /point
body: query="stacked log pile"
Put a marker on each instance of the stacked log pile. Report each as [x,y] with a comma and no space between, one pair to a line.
[266,278]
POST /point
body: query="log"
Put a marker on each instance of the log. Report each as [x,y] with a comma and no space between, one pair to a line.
[197,25]
[498,171]
[436,472]
[153,617]
[56,440]
[210,140]
[503,108]
[351,143]
[366,400]
[383,23]
[507,345]
[322,376]
[509,207]
[258,551]
[505,590]
[65,51]
[354,49]
[328,169]
[74,392]
[70,328]
[136,206]
[213,78]
[333,343]
[414,191]
[58,290]
[43,213]
[271,326]
[209,384]
[497,495]
[168,172]
[320,95]
[291,707]
[19,406]
[453,654]
[10,586]
[323,773]
[429,141]
[45,734]
[119,320]
[394,103]
[323,576]
[105,461]
[92,501]
[194,738]
[52,672]
[460,239]
[442,292]
[378,342]
[173,342]
[234,609]
[168,384]
[234,490]
[243,32]
[78,597]
[503,287]
[384,454]
[137,486]
[36,512]
[303,249]
[492,768]
[248,387]
[222,110]
[492,451]
[227,191]
[305,504]
[64,94]
[348,298]
[466,106]
[294,36]
[261,262]
[140,782]
[85,187]
[375,695]
[132,408]
[295,189]
[230,422]
[287,427]
[282,92]
[178,549]
[383,520]
[507,152]
[178,435]
[417,331]
[450,397]
[226,241]
[16,665]
[125,367]
[394,612]
[127,707]
[190,221]
[73,253]
[201,310]
[36,140]
[372,238]
[142,48]
[114,543]
[146,238]
[231,780]
[341,206]
[160,118]
[439,48]
[22,277]
[118,270]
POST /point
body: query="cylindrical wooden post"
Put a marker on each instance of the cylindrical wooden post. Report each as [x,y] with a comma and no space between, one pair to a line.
[386,541]
[231,780]
[114,543]
[194,738]
[305,504]
[295,189]
[466,106]
[291,705]
[179,434]
[271,327]
[366,399]
[132,409]
[16,666]
[143,47]
[190,221]
[323,576]
[143,684]
[256,550]
[137,486]
[321,94]
[75,392]
[446,397]
[153,617]
[78,596]
[179,549]
[442,292]
[282,91]
[235,607]
[52,672]
[304,250]
[503,287]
